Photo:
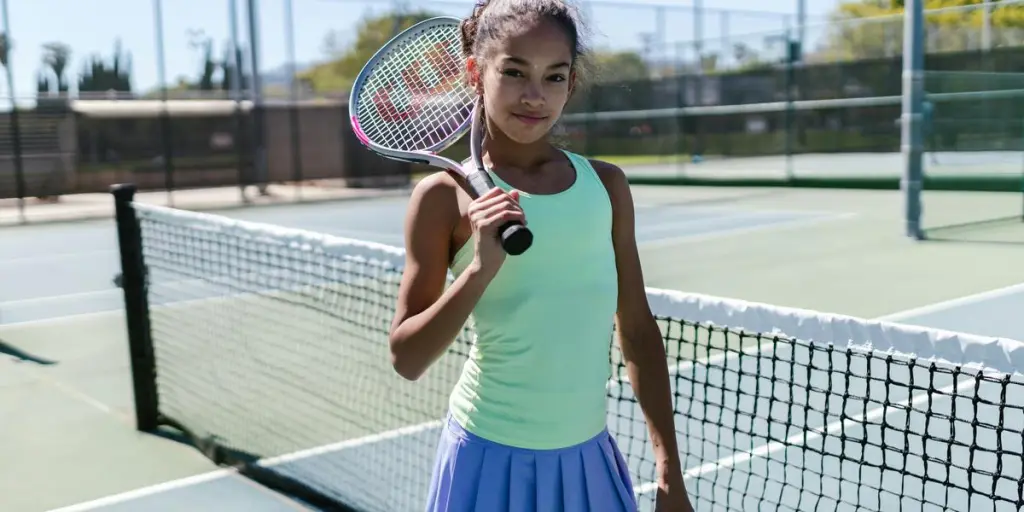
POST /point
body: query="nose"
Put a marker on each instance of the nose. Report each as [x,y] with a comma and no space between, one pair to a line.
[533,96]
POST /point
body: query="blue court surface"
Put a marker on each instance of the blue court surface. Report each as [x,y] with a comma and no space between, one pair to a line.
[745,437]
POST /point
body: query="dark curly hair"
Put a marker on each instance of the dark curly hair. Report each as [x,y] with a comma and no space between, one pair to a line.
[492,19]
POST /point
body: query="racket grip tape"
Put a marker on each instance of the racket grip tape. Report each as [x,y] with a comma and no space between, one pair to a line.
[515,237]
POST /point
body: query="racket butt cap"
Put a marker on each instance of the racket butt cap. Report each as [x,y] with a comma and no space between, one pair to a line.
[516,238]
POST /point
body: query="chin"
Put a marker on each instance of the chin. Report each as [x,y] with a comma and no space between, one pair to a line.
[527,135]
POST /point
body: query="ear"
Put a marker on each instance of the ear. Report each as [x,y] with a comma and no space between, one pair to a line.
[572,82]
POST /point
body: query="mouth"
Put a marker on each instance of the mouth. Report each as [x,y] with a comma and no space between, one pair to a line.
[529,118]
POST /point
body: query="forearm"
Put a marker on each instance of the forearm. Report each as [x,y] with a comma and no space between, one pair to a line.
[419,340]
[648,375]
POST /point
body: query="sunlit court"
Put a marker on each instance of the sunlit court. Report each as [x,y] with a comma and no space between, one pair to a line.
[200,264]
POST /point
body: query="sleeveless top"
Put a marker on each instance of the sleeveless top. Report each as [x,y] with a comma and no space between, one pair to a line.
[537,373]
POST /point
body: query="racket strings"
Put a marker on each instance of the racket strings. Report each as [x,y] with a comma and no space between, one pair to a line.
[416,97]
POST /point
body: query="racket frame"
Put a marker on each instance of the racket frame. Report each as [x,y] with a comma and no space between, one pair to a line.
[428,155]
[514,236]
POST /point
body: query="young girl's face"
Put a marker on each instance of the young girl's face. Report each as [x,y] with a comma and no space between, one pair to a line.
[526,80]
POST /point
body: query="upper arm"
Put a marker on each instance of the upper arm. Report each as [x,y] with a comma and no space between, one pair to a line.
[633,310]
[431,216]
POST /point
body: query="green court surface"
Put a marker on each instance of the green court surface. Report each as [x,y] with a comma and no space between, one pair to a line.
[69,392]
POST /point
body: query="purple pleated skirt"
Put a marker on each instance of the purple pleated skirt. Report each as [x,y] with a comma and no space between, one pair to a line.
[472,474]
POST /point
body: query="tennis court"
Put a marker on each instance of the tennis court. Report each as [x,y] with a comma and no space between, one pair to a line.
[734,242]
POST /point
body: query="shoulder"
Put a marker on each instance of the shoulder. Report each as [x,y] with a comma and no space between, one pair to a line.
[436,193]
[433,205]
[609,173]
[614,179]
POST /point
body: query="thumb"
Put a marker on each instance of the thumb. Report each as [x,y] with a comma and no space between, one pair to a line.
[514,194]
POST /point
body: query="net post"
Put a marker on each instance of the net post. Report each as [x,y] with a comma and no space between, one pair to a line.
[136,306]
[912,181]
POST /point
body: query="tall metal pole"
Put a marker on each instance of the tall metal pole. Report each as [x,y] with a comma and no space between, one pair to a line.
[165,115]
[260,153]
[660,34]
[236,95]
[986,25]
[19,168]
[698,48]
[912,144]
[293,87]
[801,23]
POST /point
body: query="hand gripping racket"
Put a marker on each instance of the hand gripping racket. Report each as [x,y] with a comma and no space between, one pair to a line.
[411,101]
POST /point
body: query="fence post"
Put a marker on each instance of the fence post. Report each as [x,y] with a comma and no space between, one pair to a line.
[19,168]
[259,125]
[237,97]
[293,107]
[166,127]
[913,108]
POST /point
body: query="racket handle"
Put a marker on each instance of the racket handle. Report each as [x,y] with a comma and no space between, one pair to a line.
[515,237]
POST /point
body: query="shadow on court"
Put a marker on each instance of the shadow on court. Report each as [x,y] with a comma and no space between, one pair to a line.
[18,354]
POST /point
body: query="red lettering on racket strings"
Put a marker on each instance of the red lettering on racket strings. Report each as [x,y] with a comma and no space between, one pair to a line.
[439,60]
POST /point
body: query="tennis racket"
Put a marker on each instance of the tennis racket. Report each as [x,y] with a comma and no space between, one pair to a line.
[411,101]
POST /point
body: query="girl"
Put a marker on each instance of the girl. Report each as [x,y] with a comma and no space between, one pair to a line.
[526,427]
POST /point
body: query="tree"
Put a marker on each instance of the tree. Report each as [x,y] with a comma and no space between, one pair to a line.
[202,44]
[99,75]
[230,62]
[56,57]
[5,49]
[337,74]
[6,45]
[869,29]
[620,67]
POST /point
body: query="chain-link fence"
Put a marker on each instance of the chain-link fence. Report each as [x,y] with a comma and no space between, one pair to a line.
[164,95]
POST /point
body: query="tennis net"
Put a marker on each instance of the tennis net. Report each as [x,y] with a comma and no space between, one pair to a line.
[267,348]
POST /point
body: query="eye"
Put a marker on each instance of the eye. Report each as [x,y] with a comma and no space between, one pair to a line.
[512,72]
[557,78]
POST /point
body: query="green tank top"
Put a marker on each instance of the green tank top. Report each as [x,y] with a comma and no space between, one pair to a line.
[536,375]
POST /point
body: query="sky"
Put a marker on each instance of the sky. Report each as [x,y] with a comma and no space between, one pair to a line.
[92,27]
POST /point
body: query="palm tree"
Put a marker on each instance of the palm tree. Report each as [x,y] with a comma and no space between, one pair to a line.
[57,56]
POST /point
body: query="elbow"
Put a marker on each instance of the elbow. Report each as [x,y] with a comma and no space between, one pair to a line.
[404,365]
[404,368]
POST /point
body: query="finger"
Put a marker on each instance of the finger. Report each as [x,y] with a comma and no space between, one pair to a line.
[481,214]
[498,219]
[492,202]
[486,223]
[492,192]
[514,194]
[500,207]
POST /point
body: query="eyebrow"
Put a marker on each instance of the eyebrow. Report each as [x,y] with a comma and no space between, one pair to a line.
[524,62]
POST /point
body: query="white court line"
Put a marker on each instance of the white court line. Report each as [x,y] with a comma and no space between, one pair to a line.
[146,491]
[642,488]
[42,322]
[957,302]
[37,258]
[778,226]
[13,304]
[223,473]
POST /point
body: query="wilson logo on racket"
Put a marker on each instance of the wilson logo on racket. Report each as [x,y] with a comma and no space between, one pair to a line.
[444,73]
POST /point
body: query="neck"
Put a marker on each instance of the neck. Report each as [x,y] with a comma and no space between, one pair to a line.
[501,151]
